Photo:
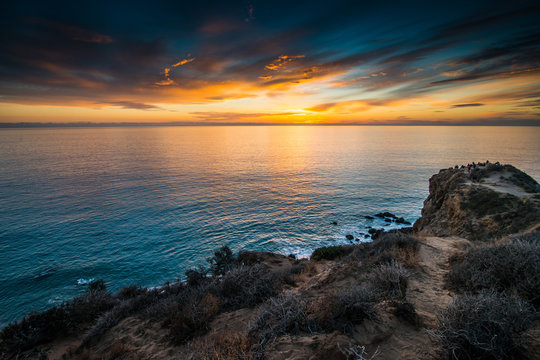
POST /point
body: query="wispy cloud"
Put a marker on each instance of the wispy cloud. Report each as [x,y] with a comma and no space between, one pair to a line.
[466,105]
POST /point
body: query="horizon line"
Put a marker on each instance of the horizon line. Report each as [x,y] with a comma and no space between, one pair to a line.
[499,122]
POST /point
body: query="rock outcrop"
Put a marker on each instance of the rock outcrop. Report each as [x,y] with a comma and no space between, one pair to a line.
[480,203]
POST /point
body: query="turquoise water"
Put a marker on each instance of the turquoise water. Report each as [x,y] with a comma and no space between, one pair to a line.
[142,204]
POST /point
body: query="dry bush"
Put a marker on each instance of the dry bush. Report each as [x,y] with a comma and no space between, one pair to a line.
[196,277]
[488,325]
[532,237]
[406,311]
[129,292]
[388,247]
[66,319]
[226,346]
[284,314]
[120,351]
[248,258]
[357,352]
[299,272]
[390,280]
[193,318]
[512,267]
[331,252]
[344,310]
[222,261]
[246,286]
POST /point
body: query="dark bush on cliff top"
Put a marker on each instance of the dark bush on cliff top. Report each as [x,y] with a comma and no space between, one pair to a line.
[222,261]
[488,325]
[387,248]
[246,286]
[66,319]
[331,252]
[512,267]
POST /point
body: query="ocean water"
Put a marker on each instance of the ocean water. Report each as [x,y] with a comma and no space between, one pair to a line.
[140,205]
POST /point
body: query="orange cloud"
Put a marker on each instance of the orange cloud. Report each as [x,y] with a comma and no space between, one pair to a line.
[282,61]
[183,62]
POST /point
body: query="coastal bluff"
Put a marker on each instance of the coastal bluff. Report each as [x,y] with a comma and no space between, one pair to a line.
[480,202]
[462,283]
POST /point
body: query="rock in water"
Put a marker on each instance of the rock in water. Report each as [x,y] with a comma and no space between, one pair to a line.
[480,203]
[386,214]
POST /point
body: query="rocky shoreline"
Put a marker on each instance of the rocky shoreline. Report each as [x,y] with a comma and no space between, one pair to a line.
[462,282]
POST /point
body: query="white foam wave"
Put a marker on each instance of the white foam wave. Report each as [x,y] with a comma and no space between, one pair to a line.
[82,281]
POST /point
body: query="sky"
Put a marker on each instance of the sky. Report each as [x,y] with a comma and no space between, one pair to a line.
[249,61]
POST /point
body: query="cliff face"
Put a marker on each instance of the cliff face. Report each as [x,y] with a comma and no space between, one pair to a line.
[480,203]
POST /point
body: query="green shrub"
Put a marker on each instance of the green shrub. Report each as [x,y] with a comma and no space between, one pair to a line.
[488,325]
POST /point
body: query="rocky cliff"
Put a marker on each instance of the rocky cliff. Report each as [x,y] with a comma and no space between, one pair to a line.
[480,203]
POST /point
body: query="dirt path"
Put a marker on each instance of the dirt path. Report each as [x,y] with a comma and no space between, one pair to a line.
[426,292]
[426,289]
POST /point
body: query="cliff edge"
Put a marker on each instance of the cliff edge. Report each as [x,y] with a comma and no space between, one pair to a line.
[480,203]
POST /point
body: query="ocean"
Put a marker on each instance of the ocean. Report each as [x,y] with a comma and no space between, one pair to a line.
[140,205]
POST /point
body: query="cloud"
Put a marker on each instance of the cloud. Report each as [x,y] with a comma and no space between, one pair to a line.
[132,105]
[215,116]
[183,62]
[283,62]
[466,105]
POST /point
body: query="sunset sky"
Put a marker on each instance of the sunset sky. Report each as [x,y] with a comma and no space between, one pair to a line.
[344,62]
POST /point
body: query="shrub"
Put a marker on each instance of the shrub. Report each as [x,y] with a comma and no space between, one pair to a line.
[532,237]
[513,267]
[484,326]
[330,252]
[125,308]
[342,311]
[193,318]
[195,277]
[388,247]
[227,346]
[96,286]
[390,280]
[284,314]
[246,286]
[248,258]
[222,261]
[66,319]
[129,292]
[120,351]
[406,311]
